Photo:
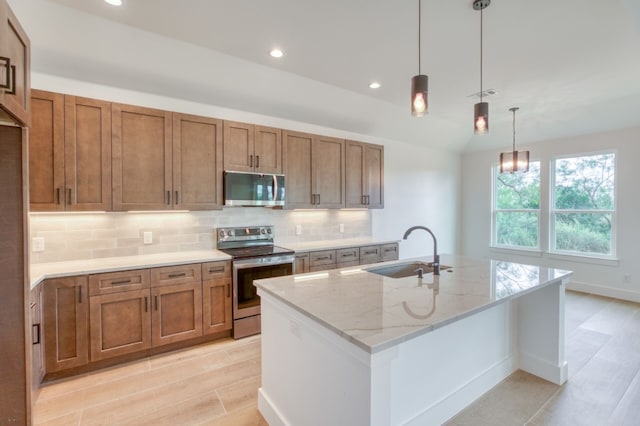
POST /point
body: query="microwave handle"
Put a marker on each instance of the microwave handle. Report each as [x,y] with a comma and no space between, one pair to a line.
[275,188]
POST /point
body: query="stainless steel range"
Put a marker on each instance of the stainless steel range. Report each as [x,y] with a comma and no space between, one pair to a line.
[254,257]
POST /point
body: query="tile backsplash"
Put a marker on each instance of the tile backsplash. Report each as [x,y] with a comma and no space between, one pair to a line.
[98,235]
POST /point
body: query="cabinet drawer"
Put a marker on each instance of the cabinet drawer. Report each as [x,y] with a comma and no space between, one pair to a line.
[389,252]
[116,282]
[319,258]
[348,255]
[370,254]
[319,268]
[179,274]
[216,270]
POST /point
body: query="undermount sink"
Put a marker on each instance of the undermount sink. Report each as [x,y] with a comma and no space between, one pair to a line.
[402,270]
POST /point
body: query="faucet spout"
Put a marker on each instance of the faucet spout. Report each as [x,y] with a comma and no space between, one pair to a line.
[436,258]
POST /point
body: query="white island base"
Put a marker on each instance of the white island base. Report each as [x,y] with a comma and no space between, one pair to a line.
[312,375]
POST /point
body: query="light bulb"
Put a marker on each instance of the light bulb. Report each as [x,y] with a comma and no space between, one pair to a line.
[419,105]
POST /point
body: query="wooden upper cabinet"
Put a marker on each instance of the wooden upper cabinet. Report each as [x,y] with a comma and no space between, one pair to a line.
[15,68]
[364,175]
[197,162]
[328,175]
[314,171]
[298,172]
[141,158]
[249,148]
[69,153]
[87,148]
[46,152]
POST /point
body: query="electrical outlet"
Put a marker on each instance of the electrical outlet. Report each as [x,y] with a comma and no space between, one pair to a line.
[37,244]
[147,237]
[342,227]
[298,229]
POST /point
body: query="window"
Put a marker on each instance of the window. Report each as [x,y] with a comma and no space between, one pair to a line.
[516,208]
[582,216]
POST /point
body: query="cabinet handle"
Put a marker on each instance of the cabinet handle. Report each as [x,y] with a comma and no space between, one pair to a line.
[257,161]
[371,252]
[57,195]
[13,81]
[127,281]
[146,304]
[169,197]
[318,199]
[368,200]
[179,274]
[35,337]
[302,256]
[218,269]
[177,200]
[387,250]
[7,72]
[251,161]
[348,255]
[155,301]
[323,258]
[79,294]
[69,199]
[228,290]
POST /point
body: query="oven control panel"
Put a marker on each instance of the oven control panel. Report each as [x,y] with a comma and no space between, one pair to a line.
[245,233]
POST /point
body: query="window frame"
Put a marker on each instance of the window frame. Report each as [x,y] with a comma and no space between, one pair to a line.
[553,211]
[495,171]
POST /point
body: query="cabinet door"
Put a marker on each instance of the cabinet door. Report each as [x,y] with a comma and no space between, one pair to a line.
[370,254]
[301,263]
[354,175]
[197,162]
[216,297]
[87,148]
[216,305]
[390,252]
[297,149]
[66,323]
[238,147]
[176,313]
[141,158]
[328,172]
[120,324]
[268,150]
[15,45]
[374,175]
[46,152]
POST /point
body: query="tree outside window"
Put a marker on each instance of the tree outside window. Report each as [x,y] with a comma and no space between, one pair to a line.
[516,213]
[583,206]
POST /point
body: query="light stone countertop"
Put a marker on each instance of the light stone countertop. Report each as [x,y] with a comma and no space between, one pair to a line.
[375,312]
[42,271]
[306,246]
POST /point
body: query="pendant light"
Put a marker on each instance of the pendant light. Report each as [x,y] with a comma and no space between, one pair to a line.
[419,83]
[514,161]
[481,109]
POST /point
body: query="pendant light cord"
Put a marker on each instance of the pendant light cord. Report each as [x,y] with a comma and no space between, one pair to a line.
[514,129]
[419,34]
[481,54]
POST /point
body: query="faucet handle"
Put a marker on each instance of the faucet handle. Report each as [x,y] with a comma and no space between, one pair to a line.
[420,272]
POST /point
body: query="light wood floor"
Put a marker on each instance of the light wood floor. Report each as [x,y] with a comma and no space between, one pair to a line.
[216,384]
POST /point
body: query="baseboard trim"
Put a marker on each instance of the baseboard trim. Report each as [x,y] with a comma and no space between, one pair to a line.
[553,373]
[269,411]
[616,293]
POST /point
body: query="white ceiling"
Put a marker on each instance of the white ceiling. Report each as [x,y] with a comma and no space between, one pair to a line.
[572,66]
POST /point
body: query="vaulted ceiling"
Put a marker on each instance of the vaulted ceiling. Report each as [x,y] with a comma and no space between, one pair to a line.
[572,66]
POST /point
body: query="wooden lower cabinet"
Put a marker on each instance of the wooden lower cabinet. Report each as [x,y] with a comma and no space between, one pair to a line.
[120,323]
[37,345]
[177,313]
[301,263]
[66,319]
[390,252]
[216,297]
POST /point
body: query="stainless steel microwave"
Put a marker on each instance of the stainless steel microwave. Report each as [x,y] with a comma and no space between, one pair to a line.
[253,189]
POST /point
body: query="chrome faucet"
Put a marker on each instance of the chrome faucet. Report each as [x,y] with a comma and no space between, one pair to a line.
[436,258]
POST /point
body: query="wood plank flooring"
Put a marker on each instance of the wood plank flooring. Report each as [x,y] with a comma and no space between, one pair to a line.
[216,384]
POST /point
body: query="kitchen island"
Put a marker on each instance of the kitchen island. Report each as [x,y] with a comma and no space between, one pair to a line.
[353,347]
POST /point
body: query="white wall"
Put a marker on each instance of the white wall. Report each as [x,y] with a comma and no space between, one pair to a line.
[605,278]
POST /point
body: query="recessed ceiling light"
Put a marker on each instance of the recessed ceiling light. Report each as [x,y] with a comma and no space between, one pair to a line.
[276,53]
[114,2]
[374,85]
